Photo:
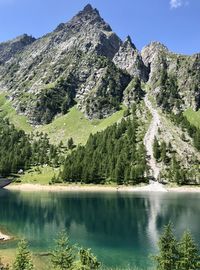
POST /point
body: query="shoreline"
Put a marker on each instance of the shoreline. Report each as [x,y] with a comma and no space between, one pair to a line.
[101,188]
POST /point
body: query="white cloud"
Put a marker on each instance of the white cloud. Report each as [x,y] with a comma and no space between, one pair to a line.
[176,3]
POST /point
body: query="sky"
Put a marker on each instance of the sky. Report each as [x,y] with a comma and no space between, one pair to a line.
[176,23]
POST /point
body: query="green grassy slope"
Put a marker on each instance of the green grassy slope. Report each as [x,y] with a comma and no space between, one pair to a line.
[39,175]
[6,110]
[73,124]
[193,117]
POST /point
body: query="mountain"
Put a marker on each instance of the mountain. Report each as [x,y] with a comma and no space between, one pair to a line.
[65,67]
[84,62]
[82,72]
[73,64]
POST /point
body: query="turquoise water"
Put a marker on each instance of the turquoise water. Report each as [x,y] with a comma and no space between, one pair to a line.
[121,228]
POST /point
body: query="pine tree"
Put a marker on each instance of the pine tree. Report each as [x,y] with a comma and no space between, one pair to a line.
[156,149]
[177,174]
[163,149]
[189,254]
[197,139]
[70,144]
[168,251]
[62,256]
[119,171]
[133,175]
[23,259]
[87,261]
[127,174]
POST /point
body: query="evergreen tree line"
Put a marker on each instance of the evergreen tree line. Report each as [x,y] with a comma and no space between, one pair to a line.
[193,131]
[19,151]
[113,155]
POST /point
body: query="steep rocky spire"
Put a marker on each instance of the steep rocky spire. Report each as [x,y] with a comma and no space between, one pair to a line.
[88,8]
[128,41]
[128,58]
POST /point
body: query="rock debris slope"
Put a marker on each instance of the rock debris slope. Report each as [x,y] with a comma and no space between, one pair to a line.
[150,136]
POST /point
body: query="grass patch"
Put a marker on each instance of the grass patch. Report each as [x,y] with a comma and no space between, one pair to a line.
[6,110]
[72,125]
[75,125]
[40,262]
[193,117]
[39,175]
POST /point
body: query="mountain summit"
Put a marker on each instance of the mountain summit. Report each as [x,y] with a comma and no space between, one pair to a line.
[92,33]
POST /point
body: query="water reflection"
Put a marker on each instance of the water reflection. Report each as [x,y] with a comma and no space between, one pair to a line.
[128,224]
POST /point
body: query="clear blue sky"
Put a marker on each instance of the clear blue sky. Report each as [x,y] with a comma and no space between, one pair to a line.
[176,23]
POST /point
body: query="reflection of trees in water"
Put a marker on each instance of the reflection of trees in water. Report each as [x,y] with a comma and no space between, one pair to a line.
[107,215]
[122,217]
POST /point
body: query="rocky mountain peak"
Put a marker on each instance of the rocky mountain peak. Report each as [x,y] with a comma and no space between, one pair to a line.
[128,58]
[88,8]
[158,45]
[91,15]
[88,16]
[153,50]
[128,43]
[92,33]
[88,32]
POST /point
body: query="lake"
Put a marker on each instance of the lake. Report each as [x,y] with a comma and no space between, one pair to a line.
[121,228]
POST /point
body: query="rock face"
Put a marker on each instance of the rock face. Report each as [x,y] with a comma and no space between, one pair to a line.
[84,62]
[88,32]
[10,48]
[129,58]
[174,78]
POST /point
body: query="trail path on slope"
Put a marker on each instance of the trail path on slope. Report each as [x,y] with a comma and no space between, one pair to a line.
[149,137]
